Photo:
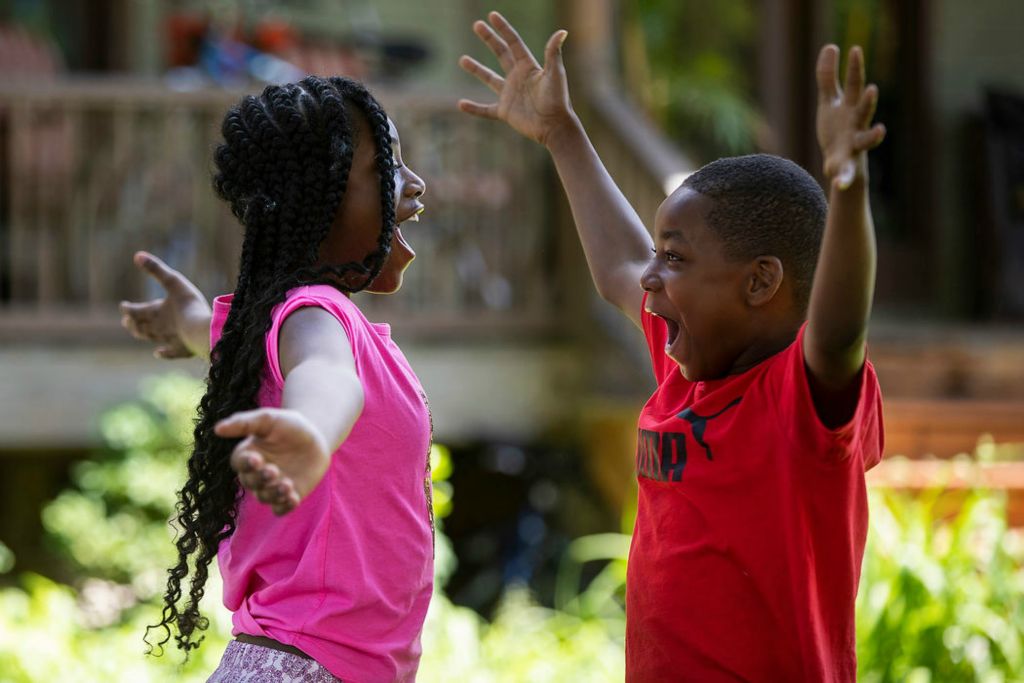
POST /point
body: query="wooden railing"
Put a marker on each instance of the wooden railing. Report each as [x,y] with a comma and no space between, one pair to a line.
[646,165]
[94,170]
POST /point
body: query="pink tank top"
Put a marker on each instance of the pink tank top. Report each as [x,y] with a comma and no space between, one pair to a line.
[347,576]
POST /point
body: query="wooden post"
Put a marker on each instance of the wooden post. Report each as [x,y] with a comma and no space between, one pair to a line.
[791,32]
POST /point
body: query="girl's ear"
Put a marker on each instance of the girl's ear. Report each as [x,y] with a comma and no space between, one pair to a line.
[764,281]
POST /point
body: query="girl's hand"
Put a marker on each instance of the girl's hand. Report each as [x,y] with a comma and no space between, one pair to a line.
[281,457]
[179,323]
[844,117]
[531,99]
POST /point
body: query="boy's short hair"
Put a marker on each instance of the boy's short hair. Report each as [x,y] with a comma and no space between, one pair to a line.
[766,205]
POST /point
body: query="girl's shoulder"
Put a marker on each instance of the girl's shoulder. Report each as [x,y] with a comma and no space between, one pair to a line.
[322,296]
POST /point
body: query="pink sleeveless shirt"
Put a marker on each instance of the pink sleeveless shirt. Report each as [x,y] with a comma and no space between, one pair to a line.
[347,576]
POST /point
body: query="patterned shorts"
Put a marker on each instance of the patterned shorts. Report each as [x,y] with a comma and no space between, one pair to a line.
[246,663]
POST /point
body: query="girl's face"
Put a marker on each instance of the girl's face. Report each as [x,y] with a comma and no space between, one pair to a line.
[357,224]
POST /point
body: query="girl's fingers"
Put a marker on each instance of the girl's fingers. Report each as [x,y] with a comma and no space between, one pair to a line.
[142,309]
[486,111]
[553,50]
[271,474]
[174,349]
[511,37]
[486,76]
[854,86]
[251,481]
[826,74]
[497,45]
[286,498]
[164,274]
[245,460]
[246,423]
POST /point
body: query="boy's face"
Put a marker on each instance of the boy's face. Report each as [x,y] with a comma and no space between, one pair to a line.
[696,289]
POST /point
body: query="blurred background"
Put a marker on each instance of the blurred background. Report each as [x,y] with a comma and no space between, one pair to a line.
[109,111]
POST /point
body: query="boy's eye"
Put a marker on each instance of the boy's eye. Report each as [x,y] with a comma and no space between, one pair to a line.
[669,256]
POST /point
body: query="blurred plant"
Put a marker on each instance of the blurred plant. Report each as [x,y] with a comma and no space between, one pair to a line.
[6,558]
[941,598]
[113,523]
[112,526]
[524,642]
[689,63]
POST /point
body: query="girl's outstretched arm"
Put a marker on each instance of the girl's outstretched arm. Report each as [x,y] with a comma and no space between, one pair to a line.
[534,101]
[844,282]
[179,323]
[284,452]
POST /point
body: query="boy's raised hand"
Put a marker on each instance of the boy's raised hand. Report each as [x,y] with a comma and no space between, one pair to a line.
[179,323]
[844,117]
[531,99]
[281,456]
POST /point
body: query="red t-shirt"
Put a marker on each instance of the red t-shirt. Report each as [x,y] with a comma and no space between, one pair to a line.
[750,528]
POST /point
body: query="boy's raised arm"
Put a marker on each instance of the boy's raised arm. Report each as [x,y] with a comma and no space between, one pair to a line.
[535,102]
[844,281]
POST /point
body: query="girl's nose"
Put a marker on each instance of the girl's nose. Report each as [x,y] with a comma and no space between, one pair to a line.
[414,185]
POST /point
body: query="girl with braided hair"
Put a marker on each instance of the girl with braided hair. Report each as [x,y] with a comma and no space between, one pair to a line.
[309,478]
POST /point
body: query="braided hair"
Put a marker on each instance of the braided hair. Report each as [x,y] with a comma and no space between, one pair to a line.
[283,168]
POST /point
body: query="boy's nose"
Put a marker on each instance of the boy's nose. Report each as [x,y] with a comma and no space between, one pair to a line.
[649,279]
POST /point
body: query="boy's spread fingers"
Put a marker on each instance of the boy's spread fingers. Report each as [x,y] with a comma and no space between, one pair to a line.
[511,36]
[486,76]
[825,71]
[866,106]
[854,76]
[869,139]
[496,44]
[487,111]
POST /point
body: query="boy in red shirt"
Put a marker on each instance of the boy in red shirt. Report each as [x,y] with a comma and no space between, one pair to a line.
[754,297]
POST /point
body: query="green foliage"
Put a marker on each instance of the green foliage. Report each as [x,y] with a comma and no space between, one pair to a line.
[112,526]
[941,599]
[45,635]
[691,65]
[525,642]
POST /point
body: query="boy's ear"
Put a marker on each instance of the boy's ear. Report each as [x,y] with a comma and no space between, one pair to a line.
[764,281]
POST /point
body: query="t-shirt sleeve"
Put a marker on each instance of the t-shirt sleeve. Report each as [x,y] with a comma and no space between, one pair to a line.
[862,437]
[656,334]
[321,296]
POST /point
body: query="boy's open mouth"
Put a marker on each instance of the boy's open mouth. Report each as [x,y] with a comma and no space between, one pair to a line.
[672,326]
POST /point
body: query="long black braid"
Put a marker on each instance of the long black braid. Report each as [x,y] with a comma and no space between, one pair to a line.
[283,168]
